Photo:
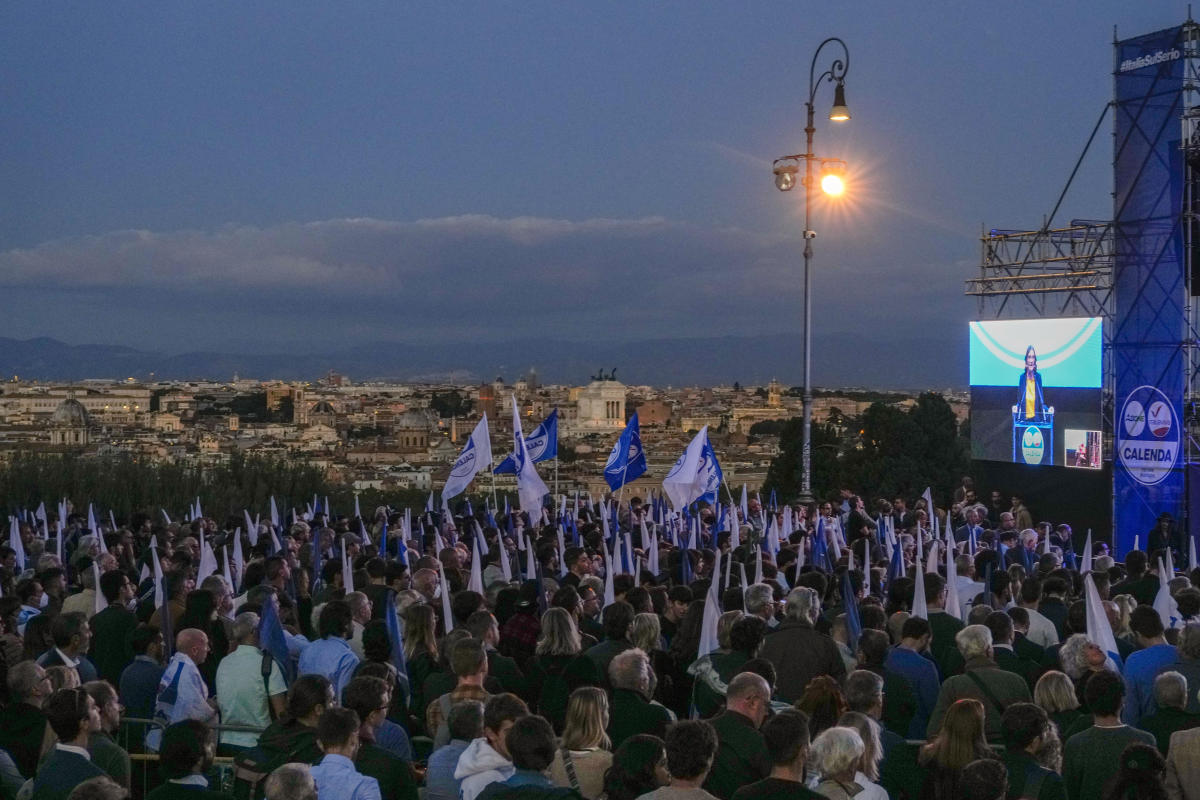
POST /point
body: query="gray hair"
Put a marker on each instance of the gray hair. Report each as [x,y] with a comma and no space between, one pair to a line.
[758,595]
[836,751]
[863,690]
[974,641]
[1072,657]
[1170,690]
[1102,563]
[291,781]
[803,605]
[358,601]
[23,678]
[1189,642]
[630,670]
[245,625]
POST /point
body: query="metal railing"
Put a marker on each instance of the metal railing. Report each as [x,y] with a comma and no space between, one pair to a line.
[143,766]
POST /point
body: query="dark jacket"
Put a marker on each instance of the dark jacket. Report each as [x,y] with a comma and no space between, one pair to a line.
[395,775]
[1005,687]
[553,678]
[1165,721]
[61,772]
[111,651]
[508,674]
[632,714]
[1023,771]
[942,647]
[799,654]
[1009,661]
[602,654]
[289,740]
[22,728]
[741,755]
[180,791]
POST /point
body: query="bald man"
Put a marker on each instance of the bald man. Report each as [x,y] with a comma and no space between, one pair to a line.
[182,693]
[741,750]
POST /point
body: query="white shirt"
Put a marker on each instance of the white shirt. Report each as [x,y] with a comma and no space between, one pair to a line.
[70,748]
[182,694]
[1041,630]
[66,659]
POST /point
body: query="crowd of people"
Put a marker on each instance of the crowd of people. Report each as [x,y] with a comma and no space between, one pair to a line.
[737,652]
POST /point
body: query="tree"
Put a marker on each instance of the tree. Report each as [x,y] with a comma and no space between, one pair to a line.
[450,404]
[784,474]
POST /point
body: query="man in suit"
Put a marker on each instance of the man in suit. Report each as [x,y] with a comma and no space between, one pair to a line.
[1001,626]
[73,716]
[187,753]
[112,649]
[72,635]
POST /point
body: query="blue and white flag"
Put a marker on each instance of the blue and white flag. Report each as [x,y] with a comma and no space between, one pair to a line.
[530,487]
[475,456]
[627,461]
[696,475]
[541,444]
[272,640]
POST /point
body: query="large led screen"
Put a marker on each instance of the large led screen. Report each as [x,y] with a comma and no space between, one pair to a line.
[1035,391]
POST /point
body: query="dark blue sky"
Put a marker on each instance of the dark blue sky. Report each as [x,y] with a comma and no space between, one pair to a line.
[260,176]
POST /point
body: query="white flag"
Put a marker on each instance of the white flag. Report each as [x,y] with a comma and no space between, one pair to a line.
[476,455]
[530,488]
[712,614]
[695,473]
[1086,564]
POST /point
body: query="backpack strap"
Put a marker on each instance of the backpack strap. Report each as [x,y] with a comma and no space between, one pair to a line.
[983,687]
[570,766]
[267,662]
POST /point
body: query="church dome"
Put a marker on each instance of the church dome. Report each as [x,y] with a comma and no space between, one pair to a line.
[69,414]
[323,407]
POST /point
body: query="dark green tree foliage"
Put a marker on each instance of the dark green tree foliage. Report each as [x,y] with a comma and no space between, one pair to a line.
[128,485]
[784,473]
[450,404]
[890,451]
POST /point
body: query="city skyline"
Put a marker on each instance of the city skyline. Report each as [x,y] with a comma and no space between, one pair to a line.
[243,181]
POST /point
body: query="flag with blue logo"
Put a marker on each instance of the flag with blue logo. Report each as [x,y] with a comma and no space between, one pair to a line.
[541,444]
[531,489]
[476,454]
[820,548]
[627,461]
[696,475]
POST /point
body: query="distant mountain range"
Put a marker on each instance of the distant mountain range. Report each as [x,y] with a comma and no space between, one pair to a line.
[839,360]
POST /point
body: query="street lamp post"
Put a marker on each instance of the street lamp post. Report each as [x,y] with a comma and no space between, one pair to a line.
[786,168]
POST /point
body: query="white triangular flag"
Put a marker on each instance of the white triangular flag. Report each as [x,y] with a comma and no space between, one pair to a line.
[709,642]
[475,584]
[98,603]
[1164,604]
[447,614]
[920,607]
[1085,565]
[953,607]
[1099,631]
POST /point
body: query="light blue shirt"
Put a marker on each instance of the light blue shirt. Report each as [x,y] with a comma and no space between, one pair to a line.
[337,779]
[331,657]
[440,783]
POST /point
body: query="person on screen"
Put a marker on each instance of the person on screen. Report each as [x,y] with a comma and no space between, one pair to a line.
[1081,455]
[1030,405]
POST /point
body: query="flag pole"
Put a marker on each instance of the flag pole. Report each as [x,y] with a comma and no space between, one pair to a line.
[556,465]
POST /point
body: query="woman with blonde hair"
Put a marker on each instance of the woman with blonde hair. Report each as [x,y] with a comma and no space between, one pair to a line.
[1055,693]
[558,666]
[646,632]
[584,753]
[867,775]
[958,743]
[420,653]
[1125,603]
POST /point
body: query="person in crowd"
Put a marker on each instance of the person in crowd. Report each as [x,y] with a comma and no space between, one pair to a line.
[465,723]
[1170,699]
[182,693]
[335,775]
[100,787]
[482,626]
[1188,664]
[982,680]
[959,741]
[361,611]
[1152,657]
[420,652]
[468,659]
[293,781]
[632,683]
[691,746]
[102,745]
[798,651]
[531,745]
[639,767]
[245,697]
[741,750]
[23,723]
[112,629]
[786,738]
[836,756]
[823,702]
[1026,728]
[138,686]
[200,612]
[983,779]
[556,667]
[618,617]
[1091,757]
[486,760]
[907,663]
[72,637]
[868,772]
[331,655]
[586,751]
[73,716]
[293,737]
[370,698]
[1141,775]
[1056,695]
[865,694]
[185,758]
